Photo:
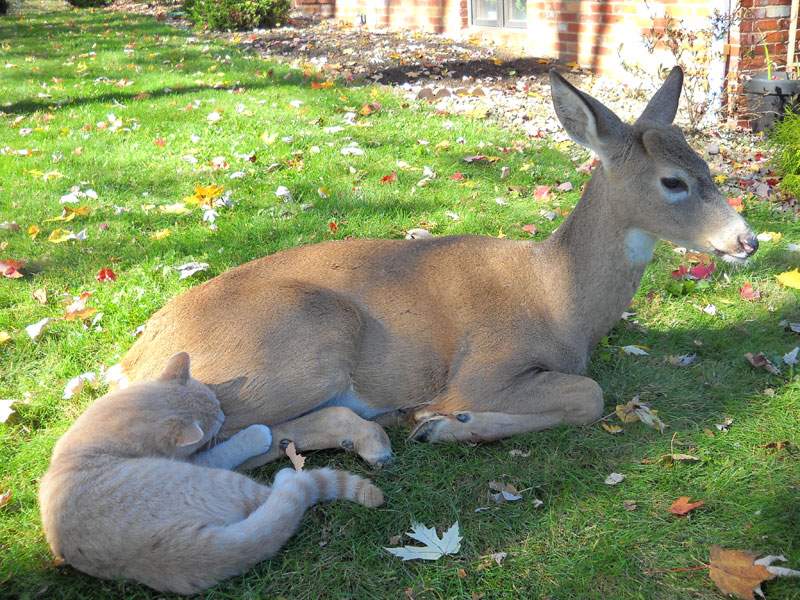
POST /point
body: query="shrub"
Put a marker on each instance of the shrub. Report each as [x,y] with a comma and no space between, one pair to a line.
[786,136]
[89,3]
[237,14]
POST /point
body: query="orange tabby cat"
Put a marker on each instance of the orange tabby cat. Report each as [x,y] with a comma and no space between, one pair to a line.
[128,495]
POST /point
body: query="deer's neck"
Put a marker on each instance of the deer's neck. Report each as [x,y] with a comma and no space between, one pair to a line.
[595,260]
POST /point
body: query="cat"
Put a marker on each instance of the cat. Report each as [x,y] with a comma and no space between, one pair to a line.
[128,495]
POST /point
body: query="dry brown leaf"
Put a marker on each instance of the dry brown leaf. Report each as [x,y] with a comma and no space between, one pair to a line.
[682,506]
[735,573]
[40,295]
[760,361]
[298,460]
[668,459]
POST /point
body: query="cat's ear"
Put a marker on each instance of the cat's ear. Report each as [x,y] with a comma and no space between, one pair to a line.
[184,433]
[177,369]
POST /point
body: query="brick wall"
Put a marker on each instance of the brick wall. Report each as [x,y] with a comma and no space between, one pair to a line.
[603,35]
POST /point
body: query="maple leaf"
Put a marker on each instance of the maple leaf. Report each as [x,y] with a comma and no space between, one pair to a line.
[316,85]
[505,492]
[790,279]
[682,506]
[739,573]
[434,546]
[298,460]
[204,195]
[333,227]
[106,274]
[636,411]
[612,429]
[457,176]
[530,228]
[34,330]
[390,178]
[33,231]
[702,271]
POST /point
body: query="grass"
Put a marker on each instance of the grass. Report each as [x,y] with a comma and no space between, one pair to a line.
[581,543]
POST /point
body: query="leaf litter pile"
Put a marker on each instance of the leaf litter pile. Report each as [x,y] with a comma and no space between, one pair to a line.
[267,171]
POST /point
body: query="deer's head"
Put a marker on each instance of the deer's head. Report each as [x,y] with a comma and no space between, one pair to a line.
[657,184]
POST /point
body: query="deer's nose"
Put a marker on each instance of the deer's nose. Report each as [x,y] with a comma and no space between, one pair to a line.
[749,243]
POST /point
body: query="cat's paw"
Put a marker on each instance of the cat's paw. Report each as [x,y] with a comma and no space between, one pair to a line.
[258,438]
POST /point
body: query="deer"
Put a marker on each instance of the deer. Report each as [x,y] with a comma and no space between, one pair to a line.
[464,338]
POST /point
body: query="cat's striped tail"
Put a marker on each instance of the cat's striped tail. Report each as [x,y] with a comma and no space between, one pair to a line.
[319,485]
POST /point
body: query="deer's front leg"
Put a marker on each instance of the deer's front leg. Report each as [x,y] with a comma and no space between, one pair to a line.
[541,401]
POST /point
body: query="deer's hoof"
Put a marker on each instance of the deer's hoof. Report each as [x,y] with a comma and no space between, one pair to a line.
[428,430]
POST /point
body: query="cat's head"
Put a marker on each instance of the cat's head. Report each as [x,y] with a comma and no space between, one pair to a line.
[173,415]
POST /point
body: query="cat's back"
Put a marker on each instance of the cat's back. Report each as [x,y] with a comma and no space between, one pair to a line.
[105,514]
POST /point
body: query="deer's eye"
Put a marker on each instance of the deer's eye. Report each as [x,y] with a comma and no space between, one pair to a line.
[674,185]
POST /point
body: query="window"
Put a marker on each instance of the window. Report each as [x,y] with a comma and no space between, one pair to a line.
[499,13]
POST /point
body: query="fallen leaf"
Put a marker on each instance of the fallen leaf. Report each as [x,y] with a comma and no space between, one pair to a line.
[457,176]
[760,361]
[40,295]
[505,492]
[160,234]
[737,203]
[635,411]
[418,234]
[434,546]
[516,452]
[390,178]
[747,292]
[33,231]
[635,350]
[59,236]
[725,425]
[178,208]
[530,228]
[790,279]
[612,429]
[673,458]
[684,360]
[106,274]
[190,268]
[35,329]
[499,557]
[682,506]
[785,444]
[541,192]
[790,358]
[629,505]
[614,479]
[76,384]
[298,460]
[4,337]
[5,410]
[11,268]
[769,236]
[5,498]
[738,573]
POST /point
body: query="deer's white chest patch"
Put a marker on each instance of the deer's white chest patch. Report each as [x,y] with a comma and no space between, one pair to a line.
[639,246]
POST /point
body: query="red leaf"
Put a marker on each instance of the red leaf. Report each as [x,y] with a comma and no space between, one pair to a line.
[530,228]
[106,274]
[737,203]
[10,268]
[457,176]
[702,271]
[390,178]
[333,227]
[747,292]
[680,272]
[682,506]
[542,192]
[160,142]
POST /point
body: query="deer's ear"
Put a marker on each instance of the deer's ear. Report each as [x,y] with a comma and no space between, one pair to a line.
[663,106]
[586,120]
[184,433]
[177,369]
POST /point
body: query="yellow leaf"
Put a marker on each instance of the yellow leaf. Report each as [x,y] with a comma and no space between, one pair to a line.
[79,211]
[269,138]
[720,179]
[57,236]
[770,236]
[4,337]
[612,429]
[179,208]
[204,195]
[64,216]
[790,279]
[160,234]
[33,231]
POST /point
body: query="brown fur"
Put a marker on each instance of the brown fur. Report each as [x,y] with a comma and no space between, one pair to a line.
[476,338]
[127,495]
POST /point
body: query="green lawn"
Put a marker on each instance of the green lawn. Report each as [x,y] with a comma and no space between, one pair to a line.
[63,73]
